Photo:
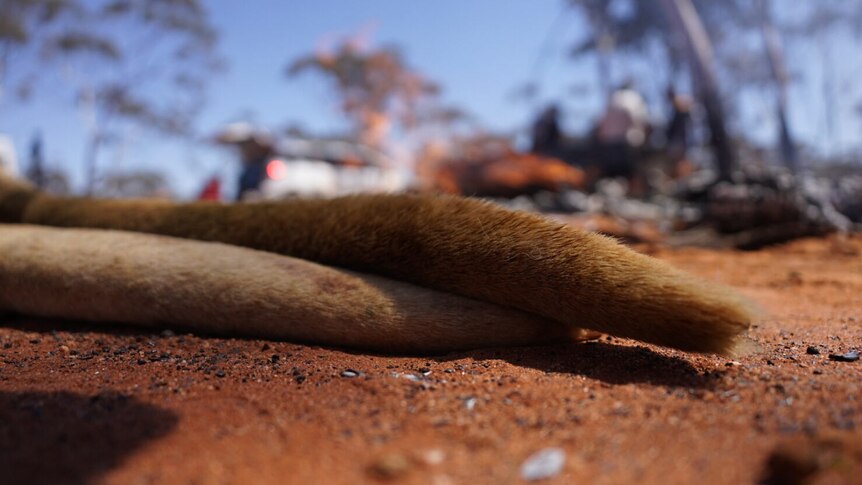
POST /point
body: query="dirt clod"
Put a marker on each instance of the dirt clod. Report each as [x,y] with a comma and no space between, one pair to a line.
[390,466]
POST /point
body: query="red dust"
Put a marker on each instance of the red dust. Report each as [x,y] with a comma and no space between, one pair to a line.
[82,403]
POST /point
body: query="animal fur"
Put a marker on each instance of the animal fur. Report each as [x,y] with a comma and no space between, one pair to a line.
[115,276]
[457,245]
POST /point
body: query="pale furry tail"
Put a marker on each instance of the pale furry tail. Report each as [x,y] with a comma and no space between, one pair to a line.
[457,245]
[148,280]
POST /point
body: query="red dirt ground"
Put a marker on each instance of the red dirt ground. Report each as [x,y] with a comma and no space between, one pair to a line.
[83,403]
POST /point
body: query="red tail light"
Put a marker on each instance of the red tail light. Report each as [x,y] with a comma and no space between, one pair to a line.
[276,169]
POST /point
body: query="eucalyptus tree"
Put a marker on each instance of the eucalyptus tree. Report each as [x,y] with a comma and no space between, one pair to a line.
[122,63]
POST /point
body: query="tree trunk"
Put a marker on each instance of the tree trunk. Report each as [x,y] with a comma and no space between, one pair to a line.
[91,157]
[685,21]
[828,90]
[37,167]
[774,54]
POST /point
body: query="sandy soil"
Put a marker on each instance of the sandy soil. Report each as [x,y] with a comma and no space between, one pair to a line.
[86,404]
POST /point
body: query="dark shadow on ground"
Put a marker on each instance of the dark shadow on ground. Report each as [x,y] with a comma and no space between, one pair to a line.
[50,325]
[70,438]
[606,362]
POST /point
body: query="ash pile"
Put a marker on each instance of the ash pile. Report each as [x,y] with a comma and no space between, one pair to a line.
[757,207]
[762,206]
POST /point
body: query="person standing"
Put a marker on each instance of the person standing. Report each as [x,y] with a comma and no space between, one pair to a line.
[625,119]
[678,133]
[546,131]
[256,147]
[621,132]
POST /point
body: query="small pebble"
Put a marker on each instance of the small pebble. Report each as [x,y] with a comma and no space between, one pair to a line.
[390,466]
[851,356]
[349,373]
[812,350]
[433,456]
[219,373]
[543,464]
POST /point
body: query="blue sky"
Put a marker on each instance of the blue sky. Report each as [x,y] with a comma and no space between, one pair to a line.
[478,50]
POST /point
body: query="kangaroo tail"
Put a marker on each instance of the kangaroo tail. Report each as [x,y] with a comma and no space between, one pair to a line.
[457,245]
[142,279]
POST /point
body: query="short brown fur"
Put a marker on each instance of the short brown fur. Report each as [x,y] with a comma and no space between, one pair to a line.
[142,279]
[453,244]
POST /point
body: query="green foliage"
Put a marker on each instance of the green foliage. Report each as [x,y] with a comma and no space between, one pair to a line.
[140,62]
[626,27]
[760,47]
[734,27]
[114,54]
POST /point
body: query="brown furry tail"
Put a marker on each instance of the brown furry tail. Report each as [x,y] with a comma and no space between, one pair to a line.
[457,245]
[141,279]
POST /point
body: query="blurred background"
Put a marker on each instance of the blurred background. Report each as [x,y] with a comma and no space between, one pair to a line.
[743,112]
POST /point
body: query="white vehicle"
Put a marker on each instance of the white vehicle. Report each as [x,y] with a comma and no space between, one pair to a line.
[325,168]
